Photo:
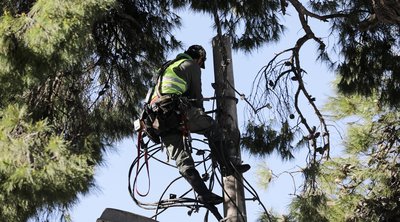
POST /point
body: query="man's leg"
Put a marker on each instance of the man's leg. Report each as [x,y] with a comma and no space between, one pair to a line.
[200,122]
[185,164]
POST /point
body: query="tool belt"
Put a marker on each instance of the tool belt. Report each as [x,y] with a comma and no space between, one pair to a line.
[163,115]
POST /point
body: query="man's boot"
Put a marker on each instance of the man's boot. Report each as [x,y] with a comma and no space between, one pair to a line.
[240,168]
[205,196]
[228,167]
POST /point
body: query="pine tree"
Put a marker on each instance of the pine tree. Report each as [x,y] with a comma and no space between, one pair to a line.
[37,169]
[363,185]
[73,73]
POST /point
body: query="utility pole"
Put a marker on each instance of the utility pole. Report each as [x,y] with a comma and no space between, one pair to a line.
[234,200]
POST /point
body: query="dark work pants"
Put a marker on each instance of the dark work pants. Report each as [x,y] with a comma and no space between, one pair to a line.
[198,122]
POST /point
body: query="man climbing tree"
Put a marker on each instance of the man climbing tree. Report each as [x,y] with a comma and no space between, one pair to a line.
[180,81]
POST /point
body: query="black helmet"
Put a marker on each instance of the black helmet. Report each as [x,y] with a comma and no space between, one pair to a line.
[197,52]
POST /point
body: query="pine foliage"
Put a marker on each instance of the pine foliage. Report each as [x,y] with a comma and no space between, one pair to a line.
[262,140]
[369,42]
[78,71]
[363,185]
[249,23]
[37,170]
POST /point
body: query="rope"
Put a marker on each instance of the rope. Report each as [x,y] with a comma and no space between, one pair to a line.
[140,142]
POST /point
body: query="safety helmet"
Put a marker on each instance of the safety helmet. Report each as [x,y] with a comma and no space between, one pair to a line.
[197,52]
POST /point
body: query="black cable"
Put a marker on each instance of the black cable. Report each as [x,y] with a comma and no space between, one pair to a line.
[166,189]
[259,201]
[181,201]
[251,191]
[231,200]
[163,203]
[136,160]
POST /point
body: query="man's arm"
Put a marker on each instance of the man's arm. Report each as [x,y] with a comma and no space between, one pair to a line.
[191,72]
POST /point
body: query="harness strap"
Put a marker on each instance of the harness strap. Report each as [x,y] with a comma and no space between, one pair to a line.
[140,141]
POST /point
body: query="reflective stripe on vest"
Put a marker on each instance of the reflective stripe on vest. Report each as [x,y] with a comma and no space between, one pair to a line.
[171,83]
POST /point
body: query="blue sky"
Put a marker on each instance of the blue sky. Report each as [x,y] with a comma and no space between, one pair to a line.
[112,178]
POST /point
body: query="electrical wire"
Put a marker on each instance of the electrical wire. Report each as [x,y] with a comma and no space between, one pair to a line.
[162,205]
[182,201]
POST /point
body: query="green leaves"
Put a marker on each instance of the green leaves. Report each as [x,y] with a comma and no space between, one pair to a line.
[249,23]
[262,140]
[309,208]
[50,38]
[368,42]
[53,34]
[79,69]
[36,167]
[363,185]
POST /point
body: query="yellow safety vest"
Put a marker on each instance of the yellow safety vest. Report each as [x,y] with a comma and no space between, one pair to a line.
[171,83]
